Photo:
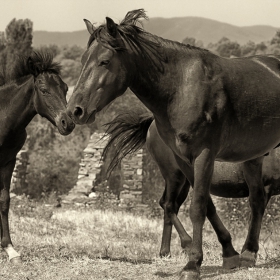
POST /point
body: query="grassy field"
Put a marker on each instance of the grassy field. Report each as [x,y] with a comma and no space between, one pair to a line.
[84,243]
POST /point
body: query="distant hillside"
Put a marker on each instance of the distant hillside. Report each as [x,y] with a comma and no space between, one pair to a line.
[78,38]
[172,28]
[207,30]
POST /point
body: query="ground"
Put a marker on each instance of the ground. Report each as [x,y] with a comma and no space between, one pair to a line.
[84,243]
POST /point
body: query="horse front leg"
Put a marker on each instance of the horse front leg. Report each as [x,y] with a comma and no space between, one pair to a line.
[203,171]
[258,201]
[175,193]
[230,256]
[5,181]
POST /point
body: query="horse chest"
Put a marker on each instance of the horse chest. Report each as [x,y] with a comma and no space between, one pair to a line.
[10,145]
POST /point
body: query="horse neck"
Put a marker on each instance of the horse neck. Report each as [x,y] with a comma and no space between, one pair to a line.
[16,101]
[154,91]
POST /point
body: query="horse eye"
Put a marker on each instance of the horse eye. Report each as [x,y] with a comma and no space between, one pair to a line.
[44,91]
[104,62]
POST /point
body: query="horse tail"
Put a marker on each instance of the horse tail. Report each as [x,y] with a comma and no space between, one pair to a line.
[127,134]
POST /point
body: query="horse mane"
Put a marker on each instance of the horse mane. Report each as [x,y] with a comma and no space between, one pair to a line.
[141,42]
[145,44]
[42,60]
[127,134]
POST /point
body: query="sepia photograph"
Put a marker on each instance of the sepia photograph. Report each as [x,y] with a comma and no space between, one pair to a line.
[139,139]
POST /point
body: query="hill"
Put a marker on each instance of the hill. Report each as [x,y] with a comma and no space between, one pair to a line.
[207,30]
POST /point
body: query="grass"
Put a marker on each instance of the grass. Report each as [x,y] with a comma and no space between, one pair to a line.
[85,243]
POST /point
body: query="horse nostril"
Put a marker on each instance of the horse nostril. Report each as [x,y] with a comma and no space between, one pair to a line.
[64,123]
[78,112]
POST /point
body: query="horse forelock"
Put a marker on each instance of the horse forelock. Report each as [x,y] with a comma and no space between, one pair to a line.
[42,60]
[131,19]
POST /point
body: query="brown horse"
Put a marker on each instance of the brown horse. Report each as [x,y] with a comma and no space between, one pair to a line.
[128,133]
[33,87]
[206,108]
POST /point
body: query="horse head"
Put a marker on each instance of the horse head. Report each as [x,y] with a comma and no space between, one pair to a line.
[50,91]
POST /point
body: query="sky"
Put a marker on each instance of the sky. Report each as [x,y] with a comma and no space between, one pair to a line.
[68,15]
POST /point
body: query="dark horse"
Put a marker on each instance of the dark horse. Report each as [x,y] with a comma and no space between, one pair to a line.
[206,108]
[128,133]
[33,87]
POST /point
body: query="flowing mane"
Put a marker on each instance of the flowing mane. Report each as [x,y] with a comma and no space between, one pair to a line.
[42,60]
[149,46]
[140,41]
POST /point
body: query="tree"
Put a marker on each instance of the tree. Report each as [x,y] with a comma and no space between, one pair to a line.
[19,36]
[74,52]
[276,39]
[17,42]
[274,46]
[248,49]
[2,41]
[193,42]
[70,71]
[227,48]
[261,48]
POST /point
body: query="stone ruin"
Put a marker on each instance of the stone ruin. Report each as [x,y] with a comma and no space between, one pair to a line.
[124,184]
[134,182]
[18,180]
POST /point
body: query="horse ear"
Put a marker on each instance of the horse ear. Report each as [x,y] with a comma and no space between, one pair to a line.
[111,27]
[33,69]
[90,26]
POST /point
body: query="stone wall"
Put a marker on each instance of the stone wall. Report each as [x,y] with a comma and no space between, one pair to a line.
[90,169]
[18,180]
[133,177]
[125,182]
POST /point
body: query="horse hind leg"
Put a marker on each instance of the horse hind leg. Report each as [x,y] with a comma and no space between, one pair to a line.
[230,256]
[167,230]
[174,187]
[6,243]
[186,240]
[258,201]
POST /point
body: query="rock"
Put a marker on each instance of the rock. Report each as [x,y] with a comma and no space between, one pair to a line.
[92,195]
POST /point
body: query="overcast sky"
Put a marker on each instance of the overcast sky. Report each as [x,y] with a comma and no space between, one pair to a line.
[67,15]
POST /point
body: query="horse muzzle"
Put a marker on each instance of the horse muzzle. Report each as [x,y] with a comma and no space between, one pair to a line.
[64,124]
[80,116]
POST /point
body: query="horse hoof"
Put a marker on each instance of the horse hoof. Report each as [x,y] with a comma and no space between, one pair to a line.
[231,262]
[248,259]
[16,260]
[189,275]
[165,254]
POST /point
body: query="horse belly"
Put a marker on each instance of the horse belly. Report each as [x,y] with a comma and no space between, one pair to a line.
[242,142]
[228,179]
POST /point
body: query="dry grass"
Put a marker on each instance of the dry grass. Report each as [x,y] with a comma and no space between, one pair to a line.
[60,243]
